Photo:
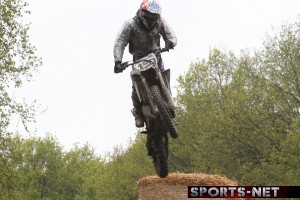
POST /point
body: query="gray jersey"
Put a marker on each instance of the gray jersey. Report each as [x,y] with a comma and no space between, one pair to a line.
[141,41]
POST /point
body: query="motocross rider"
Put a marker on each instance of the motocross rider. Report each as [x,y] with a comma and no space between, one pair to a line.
[143,33]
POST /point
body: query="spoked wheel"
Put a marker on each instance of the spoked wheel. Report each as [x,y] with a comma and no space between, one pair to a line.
[159,154]
[164,111]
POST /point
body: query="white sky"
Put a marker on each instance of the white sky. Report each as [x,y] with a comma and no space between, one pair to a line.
[85,100]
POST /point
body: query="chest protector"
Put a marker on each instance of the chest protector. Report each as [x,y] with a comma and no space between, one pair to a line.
[143,41]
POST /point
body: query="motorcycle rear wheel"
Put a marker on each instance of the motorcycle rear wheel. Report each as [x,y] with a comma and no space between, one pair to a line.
[164,111]
[159,155]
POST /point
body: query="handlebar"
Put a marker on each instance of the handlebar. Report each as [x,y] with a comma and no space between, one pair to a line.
[163,50]
[129,63]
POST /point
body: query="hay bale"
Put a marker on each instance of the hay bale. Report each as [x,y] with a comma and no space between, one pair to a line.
[174,186]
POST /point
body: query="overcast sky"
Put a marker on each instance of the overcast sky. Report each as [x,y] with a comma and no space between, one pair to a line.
[84,100]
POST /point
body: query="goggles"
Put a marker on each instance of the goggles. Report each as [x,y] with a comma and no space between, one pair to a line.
[149,16]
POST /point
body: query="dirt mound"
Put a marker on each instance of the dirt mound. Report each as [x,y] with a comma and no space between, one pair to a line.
[174,186]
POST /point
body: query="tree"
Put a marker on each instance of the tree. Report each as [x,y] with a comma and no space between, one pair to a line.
[123,170]
[37,162]
[45,171]
[17,59]
[278,64]
[17,63]
[82,172]
[237,112]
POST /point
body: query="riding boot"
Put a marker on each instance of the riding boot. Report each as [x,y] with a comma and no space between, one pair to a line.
[137,110]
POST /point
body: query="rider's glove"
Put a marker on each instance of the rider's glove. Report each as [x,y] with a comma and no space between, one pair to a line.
[118,67]
[169,44]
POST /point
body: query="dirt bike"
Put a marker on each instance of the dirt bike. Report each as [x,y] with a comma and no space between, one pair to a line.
[153,90]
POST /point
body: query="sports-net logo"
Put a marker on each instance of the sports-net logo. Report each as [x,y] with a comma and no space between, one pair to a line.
[243,191]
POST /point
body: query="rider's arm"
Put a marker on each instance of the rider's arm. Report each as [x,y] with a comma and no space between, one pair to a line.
[167,32]
[122,40]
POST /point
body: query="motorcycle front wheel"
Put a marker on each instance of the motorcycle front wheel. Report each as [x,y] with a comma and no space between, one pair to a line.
[164,111]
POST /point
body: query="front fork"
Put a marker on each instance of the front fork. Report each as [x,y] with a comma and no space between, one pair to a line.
[166,91]
[153,106]
[145,94]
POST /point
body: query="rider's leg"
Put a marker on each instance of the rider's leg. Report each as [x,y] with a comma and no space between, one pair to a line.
[137,110]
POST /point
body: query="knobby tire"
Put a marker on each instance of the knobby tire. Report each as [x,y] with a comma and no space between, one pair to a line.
[164,111]
[160,155]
